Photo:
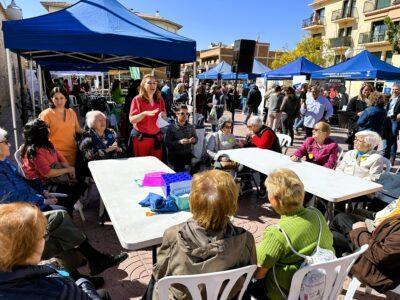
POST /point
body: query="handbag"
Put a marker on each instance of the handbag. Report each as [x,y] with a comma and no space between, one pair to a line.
[212,118]
[59,180]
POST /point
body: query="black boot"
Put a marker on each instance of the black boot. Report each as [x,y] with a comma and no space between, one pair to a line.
[98,262]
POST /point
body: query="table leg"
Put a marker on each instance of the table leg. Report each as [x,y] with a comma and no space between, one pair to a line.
[330,211]
[154,254]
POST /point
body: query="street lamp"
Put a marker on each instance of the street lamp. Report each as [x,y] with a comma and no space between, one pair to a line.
[13,11]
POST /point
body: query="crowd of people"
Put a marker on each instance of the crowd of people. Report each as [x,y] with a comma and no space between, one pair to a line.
[35,225]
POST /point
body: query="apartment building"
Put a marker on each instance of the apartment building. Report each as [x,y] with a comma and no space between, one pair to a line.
[355,24]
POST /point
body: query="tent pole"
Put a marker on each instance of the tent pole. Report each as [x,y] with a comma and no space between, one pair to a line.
[109,83]
[40,81]
[12,96]
[234,97]
[102,84]
[119,75]
[32,88]
[152,71]
[194,93]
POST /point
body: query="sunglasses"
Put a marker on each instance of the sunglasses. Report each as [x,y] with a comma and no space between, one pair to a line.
[183,114]
[151,82]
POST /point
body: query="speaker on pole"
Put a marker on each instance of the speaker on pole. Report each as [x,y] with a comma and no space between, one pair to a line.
[174,70]
[243,56]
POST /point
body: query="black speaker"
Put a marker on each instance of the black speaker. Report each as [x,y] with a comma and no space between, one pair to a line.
[174,70]
[243,56]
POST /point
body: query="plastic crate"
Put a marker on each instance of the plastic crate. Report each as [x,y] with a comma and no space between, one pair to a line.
[178,183]
[182,201]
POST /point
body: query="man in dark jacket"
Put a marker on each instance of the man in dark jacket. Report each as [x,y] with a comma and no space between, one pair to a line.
[253,102]
[180,138]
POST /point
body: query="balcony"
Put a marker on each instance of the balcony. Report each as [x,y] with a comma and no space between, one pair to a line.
[341,43]
[377,6]
[344,15]
[373,38]
[314,23]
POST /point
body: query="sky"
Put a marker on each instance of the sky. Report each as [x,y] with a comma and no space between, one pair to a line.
[275,21]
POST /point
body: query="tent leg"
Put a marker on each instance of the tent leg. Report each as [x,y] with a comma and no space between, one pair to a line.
[102,84]
[12,96]
[109,83]
[32,88]
[40,81]
[194,94]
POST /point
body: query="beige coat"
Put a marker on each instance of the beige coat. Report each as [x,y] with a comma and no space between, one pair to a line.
[368,166]
[188,249]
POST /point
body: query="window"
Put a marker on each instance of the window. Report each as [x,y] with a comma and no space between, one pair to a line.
[338,59]
[317,36]
[382,4]
[378,54]
[389,56]
[345,31]
[378,31]
[320,13]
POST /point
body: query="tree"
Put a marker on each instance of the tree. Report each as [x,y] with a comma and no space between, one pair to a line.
[311,48]
[392,32]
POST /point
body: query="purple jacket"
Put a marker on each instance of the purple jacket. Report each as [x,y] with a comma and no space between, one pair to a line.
[325,156]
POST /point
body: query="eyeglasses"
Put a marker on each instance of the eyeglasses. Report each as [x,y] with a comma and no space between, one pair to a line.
[46,235]
[228,127]
[359,140]
[183,114]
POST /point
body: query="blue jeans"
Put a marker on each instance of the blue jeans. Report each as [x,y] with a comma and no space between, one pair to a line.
[298,122]
[395,134]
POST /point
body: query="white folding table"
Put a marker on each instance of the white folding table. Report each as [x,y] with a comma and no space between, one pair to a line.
[115,180]
[322,182]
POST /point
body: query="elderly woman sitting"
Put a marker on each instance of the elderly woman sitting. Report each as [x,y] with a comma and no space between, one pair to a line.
[223,139]
[208,242]
[319,148]
[24,233]
[98,142]
[301,225]
[363,161]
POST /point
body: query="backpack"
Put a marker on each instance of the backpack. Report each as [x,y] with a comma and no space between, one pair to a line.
[313,285]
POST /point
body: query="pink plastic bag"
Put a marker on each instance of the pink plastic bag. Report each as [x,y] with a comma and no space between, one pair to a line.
[153,179]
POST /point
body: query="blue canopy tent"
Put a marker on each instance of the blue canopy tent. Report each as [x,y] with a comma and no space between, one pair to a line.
[258,69]
[216,73]
[301,66]
[363,66]
[99,32]
[95,33]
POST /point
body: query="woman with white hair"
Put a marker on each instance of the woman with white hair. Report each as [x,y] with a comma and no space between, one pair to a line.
[98,142]
[364,161]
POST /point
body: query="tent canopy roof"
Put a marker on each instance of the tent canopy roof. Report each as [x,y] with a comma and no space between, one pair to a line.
[363,66]
[215,73]
[258,69]
[97,32]
[300,66]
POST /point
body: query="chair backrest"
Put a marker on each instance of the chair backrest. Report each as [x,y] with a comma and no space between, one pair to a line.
[18,159]
[335,270]
[340,156]
[387,165]
[212,282]
[284,141]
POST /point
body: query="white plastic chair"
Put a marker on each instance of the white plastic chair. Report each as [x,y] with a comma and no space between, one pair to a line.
[335,270]
[18,159]
[284,141]
[212,282]
[355,284]
[387,165]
